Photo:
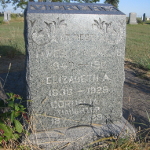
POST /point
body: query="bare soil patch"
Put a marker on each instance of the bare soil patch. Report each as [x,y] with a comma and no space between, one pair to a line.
[140,72]
[136,99]
[16,64]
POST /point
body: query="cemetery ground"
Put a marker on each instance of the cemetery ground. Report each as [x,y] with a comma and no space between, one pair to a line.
[136,102]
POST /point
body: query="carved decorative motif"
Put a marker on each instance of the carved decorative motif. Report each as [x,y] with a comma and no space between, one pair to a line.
[56,24]
[41,35]
[32,22]
[102,25]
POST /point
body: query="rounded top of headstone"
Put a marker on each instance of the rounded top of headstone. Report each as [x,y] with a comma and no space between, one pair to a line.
[132,13]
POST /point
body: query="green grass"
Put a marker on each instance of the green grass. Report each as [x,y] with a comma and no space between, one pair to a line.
[138,45]
[11,37]
[1,19]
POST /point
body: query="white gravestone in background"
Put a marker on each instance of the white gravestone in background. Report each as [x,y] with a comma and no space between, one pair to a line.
[7,16]
[132,18]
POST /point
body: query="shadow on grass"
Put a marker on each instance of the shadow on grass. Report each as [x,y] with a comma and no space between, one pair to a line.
[136,66]
[9,51]
[141,124]
[139,119]
[14,82]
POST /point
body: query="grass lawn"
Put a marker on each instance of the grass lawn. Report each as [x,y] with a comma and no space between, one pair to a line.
[137,43]
[11,37]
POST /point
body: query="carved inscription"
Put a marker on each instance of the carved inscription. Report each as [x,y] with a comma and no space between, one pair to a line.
[72,7]
[73,64]
[79,37]
[76,79]
[61,92]
[69,92]
[97,90]
[58,121]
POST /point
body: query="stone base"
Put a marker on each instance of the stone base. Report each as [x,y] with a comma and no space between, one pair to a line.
[78,137]
[6,20]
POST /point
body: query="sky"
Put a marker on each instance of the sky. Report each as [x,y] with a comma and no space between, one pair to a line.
[126,6]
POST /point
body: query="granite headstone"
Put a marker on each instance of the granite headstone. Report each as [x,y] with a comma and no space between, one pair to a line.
[132,18]
[74,72]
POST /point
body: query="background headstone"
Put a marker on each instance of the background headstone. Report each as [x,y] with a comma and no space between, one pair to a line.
[132,18]
[7,16]
[144,17]
[74,72]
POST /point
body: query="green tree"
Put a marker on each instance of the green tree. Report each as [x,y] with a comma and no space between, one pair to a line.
[87,1]
[20,3]
[16,3]
[113,2]
[3,4]
[23,3]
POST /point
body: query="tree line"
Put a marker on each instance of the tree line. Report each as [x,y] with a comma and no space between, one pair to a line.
[23,3]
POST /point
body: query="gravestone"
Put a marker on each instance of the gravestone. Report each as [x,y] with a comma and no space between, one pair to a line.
[144,17]
[7,16]
[74,73]
[132,18]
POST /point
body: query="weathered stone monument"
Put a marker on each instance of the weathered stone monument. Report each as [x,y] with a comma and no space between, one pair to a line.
[7,16]
[132,18]
[75,73]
